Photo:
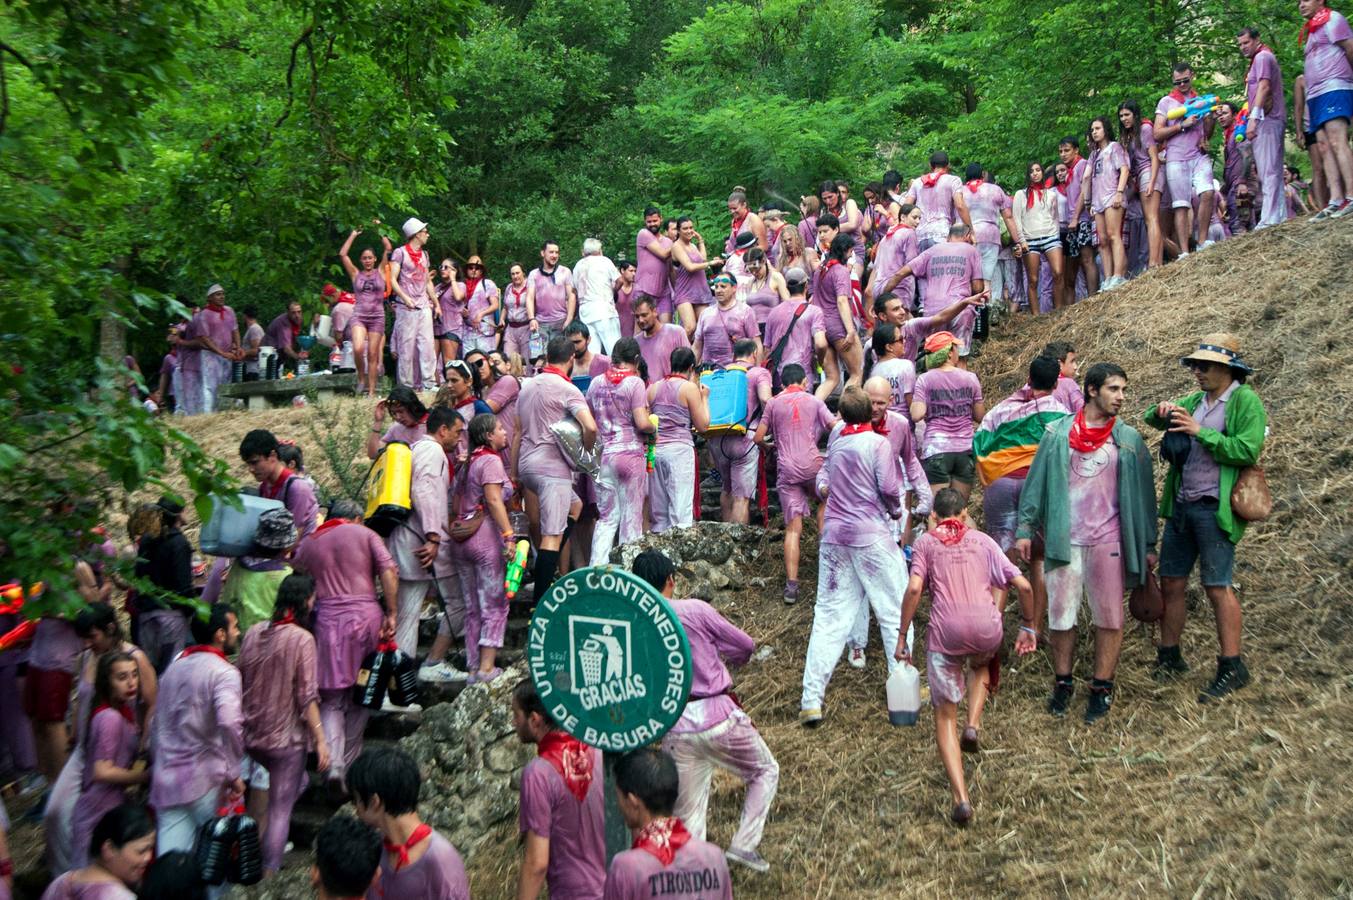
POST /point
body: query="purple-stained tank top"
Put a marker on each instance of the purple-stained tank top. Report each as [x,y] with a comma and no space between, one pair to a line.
[674,419]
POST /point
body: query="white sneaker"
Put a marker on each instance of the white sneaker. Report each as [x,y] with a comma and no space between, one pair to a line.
[389,707]
[1182,255]
[1206,244]
[441,673]
[856,658]
[749,858]
[1328,212]
[1345,210]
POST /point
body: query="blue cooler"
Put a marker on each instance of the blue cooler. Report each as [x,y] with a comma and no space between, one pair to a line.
[727,400]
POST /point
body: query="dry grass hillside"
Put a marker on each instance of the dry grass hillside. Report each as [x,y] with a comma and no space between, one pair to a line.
[1165,796]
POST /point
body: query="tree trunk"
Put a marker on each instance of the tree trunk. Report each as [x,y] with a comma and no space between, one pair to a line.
[112,329]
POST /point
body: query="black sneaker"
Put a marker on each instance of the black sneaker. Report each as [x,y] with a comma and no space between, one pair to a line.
[1062,689]
[1169,664]
[1101,698]
[1231,676]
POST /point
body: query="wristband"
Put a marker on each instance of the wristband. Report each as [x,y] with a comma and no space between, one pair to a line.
[1032,631]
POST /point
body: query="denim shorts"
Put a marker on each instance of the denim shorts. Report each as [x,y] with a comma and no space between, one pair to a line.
[1192,535]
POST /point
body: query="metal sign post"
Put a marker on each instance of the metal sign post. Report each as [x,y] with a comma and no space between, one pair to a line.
[611,663]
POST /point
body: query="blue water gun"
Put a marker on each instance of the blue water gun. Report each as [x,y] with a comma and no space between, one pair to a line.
[1194,106]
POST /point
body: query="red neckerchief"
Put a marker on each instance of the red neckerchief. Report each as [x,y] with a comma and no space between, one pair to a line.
[346,297]
[677,375]
[1179,97]
[950,531]
[517,294]
[329,525]
[288,619]
[615,376]
[933,178]
[857,429]
[663,838]
[274,490]
[1085,439]
[415,257]
[204,648]
[472,285]
[295,330]
[1062,185]
[737,225]
[482,451]
[401,851]
[973,185]
[555,370]
[219,310]
[793,389]
[895,229]
[125,710]
[827,266]
[571,758]
[1316,21]
[881,426]
[1032,195]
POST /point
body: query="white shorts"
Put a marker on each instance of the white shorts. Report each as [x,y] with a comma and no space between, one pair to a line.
[254,774]
[1188,178]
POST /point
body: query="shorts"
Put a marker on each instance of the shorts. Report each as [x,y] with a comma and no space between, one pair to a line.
[555,495]
[947,676]
[1188,178]
[1191,535]
[1000,510]
[1095,573]
[1078,237]
[449,336]
[46,694]
[796,498]
[736,459]
[1329,106]
[1044,245]
[372,322]
[946,467]
[1142,175]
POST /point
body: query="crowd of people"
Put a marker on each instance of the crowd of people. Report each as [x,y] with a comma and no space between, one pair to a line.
[850,333]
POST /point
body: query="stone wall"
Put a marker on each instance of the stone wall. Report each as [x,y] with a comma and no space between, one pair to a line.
[471,761]
[715,561]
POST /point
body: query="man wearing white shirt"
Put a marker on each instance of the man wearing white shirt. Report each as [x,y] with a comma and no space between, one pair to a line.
[596,278]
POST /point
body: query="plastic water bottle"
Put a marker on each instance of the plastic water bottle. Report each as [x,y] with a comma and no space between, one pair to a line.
[212,853]
[335,359]
[904,695]
[246,857]
[537,345]
[302,368]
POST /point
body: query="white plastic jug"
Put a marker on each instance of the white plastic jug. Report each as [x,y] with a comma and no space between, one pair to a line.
[230,532]
[904,695]
[324,331]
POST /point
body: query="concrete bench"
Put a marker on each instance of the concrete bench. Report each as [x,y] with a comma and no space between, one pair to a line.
[281,392]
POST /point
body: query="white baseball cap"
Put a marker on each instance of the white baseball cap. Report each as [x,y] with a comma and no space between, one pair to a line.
[413,226]
[215,289]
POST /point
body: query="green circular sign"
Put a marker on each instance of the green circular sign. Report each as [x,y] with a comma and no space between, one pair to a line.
[609,658]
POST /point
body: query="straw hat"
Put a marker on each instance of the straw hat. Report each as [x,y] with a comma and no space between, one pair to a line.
[1218,347]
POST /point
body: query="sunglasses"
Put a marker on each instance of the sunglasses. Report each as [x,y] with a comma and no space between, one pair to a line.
[473,266]
[1180,82]
[446,268]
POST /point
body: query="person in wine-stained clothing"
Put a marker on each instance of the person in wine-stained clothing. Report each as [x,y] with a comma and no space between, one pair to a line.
[418,862]
[366,328]
[681,404]
[562,815]
[414,346]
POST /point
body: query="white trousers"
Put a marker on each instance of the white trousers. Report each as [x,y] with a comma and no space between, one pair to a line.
[849,578]
[1267,146]
[735,746]
[410,609]
[604,332]
[671,487]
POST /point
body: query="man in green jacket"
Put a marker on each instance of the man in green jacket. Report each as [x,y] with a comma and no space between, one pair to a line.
[1225,422]
[1092,495]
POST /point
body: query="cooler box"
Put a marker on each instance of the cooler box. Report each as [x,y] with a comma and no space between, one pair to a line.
[229,531]
[727,400]
[387,489]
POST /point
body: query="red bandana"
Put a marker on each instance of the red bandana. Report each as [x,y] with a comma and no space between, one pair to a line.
[274,490]
[1031,196]
[125,710]
[220,311]
[555,370]
[346,297]
[737,225]
[482,451]
[571,758]
[931,179]
[471,285]
[615,376]
[401,851]
[950,531]
[857,429]
[973,185]
[1085,439]
[793,389]
[895,229]
[1316,21]
[881,426]
[328,525]
[1179,96]
[415,257]
[663,838]
[517,295]
[288,619]
[204,648]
